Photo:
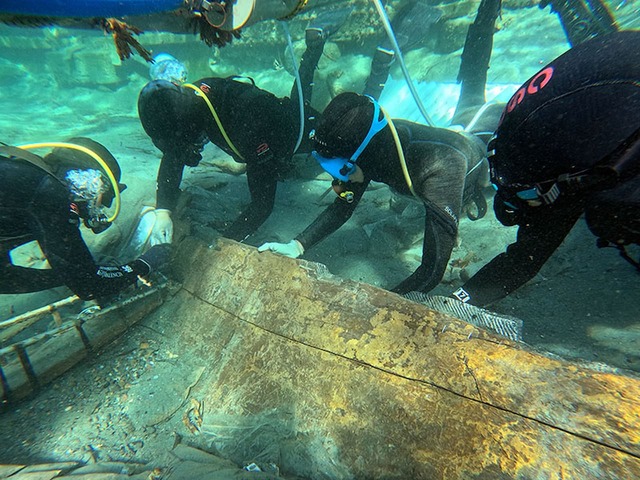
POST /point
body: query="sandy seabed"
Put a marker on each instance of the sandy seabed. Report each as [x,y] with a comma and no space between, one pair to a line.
[582,305]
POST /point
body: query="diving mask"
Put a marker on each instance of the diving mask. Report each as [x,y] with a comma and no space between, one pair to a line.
[87,188]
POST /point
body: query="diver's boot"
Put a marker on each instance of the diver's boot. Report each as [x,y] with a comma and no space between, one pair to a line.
[314,38]
[380,65]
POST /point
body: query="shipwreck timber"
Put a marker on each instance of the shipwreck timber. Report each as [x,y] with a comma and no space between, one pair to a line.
[283,363]
[394,390]
[27,365]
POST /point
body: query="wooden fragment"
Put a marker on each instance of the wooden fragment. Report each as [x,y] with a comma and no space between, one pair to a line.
[45,467]
[8,470]
[11,327]
[48,359]
[46,475]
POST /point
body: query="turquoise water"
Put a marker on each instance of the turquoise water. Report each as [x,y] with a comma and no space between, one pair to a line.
[58,82]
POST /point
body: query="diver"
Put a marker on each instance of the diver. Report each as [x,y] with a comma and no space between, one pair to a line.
[569,143]
[356,143]
[444,168]
[46,200]
[252,125]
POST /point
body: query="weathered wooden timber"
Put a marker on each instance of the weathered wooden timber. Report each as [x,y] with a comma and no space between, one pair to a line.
[29,364]
[391,388]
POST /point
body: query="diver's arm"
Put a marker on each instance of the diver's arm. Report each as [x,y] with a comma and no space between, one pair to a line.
[539,235]
[332,218]
[262,187]
[58,234]
[440,233]
[169,178]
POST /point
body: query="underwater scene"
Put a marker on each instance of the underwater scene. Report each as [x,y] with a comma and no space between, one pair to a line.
[188,291]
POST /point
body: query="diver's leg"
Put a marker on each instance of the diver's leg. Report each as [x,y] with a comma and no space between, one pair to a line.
[581,19]
[380,66]
[316,35]
[475,57]
[315,41]
[410,25]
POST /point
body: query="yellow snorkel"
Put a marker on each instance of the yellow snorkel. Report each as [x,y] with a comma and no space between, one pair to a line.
[92,154]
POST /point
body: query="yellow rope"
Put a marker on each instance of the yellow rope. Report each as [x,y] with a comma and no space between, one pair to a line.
[201,94]
[403,162]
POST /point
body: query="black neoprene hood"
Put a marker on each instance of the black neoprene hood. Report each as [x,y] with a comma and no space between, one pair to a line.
[343,125]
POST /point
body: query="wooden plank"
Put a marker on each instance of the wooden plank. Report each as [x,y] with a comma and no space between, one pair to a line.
[11,327]
[52,357]
[393,385]
[45,467]
[46,475]
[8,470]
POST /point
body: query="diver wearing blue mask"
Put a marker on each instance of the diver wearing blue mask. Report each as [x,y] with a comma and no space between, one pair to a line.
[356,143]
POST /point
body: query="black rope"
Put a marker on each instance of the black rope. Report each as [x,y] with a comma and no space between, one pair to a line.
[26,365]
[83,336]
[6,389]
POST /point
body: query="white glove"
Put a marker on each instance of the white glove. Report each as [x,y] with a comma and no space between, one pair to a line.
[162,231]
[293,249]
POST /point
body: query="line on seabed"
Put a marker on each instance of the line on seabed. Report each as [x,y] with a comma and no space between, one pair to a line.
[417,380]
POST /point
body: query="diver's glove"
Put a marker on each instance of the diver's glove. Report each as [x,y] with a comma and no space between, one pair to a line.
[162,231]
[156,257]
[293,249]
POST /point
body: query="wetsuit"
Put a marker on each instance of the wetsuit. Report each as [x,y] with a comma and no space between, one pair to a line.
[34,205]
[565,120]
[262,127]
[438,161]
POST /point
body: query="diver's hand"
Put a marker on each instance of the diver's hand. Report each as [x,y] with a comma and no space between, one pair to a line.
[162,229]
[293,249]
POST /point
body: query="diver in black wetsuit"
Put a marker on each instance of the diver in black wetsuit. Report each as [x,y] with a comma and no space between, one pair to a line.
[45,200]
[445,169]
[354,142]
[569,142]
[254,127]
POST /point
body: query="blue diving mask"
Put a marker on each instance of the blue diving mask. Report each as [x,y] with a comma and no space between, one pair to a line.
[341,167]
[531,196]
